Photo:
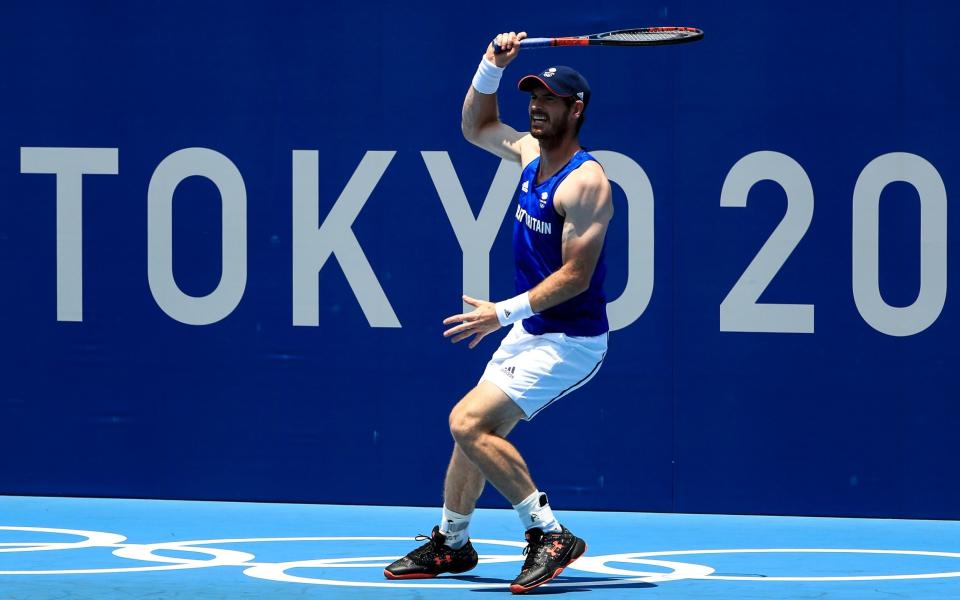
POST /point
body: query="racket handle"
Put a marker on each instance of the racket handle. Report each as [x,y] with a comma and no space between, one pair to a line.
[537,42]
[528,43]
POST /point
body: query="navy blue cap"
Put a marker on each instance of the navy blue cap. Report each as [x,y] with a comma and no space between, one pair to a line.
[561,81]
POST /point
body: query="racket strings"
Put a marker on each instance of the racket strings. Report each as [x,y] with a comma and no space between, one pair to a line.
[646,36]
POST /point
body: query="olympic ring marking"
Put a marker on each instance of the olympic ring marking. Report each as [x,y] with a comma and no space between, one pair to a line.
[278,571]
[220,558]
[99,539]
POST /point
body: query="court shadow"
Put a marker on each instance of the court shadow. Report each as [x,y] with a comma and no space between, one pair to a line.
[572,584]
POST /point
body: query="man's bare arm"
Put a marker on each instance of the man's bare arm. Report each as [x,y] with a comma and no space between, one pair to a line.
[586,201]
[480,117]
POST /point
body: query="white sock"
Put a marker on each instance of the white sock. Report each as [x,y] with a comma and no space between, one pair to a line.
[534,511]
[454,526]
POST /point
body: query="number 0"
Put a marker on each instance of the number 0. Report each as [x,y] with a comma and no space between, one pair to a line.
[881,171]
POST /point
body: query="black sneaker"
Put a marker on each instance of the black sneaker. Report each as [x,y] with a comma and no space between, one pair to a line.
[433,558]
[547,555]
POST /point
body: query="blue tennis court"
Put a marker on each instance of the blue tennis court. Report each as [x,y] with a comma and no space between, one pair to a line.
[106,548]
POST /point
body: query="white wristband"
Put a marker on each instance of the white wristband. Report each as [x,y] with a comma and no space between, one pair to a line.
[514,309]
[487,78]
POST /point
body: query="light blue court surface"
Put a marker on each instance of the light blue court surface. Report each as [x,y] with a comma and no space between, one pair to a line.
[60,548]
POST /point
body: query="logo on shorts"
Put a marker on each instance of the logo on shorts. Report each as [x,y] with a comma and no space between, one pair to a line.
[508,371]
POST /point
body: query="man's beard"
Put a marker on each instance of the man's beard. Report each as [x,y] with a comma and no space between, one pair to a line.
[551,135]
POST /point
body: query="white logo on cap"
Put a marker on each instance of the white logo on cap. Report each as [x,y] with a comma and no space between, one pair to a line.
[550,72]
[580,95]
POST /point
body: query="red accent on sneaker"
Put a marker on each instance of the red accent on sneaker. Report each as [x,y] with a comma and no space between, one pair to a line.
[390,575]
[519,589]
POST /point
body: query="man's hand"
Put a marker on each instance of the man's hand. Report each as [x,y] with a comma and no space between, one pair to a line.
[510,46]
[479,322]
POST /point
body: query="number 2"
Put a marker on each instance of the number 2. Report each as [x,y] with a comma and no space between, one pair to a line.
[740,310]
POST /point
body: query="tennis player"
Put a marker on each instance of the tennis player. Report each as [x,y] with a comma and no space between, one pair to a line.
[558,326]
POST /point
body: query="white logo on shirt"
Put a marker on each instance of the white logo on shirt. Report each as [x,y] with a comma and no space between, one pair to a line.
[533,223]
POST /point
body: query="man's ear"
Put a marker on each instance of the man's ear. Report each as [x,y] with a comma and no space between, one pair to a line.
[582,106]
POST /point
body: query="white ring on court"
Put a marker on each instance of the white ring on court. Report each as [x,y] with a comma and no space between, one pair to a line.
[92,539]
[639,555]
[99,539]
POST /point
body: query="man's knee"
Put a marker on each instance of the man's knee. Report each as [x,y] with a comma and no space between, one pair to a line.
[464,426]
[485,409]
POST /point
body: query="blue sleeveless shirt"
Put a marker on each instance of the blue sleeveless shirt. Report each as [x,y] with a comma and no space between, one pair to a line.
[537,234]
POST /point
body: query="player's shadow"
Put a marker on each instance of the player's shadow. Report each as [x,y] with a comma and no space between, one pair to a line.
[587,584]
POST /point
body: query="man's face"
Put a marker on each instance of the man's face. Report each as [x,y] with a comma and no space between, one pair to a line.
[551,116]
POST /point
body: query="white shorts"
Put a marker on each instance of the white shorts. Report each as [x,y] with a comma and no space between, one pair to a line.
[537,370]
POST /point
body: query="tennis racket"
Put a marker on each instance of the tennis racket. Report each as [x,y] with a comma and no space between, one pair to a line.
[647,36]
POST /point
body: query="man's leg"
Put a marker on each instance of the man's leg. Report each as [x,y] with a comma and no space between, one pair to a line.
[474,423]
[479,423]
[463,483]
[449,549]
[461,488]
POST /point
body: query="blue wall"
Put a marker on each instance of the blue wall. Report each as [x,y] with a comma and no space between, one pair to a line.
[106,389]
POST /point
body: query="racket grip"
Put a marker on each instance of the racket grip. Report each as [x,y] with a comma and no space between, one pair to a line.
[537,42]
[528,43]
